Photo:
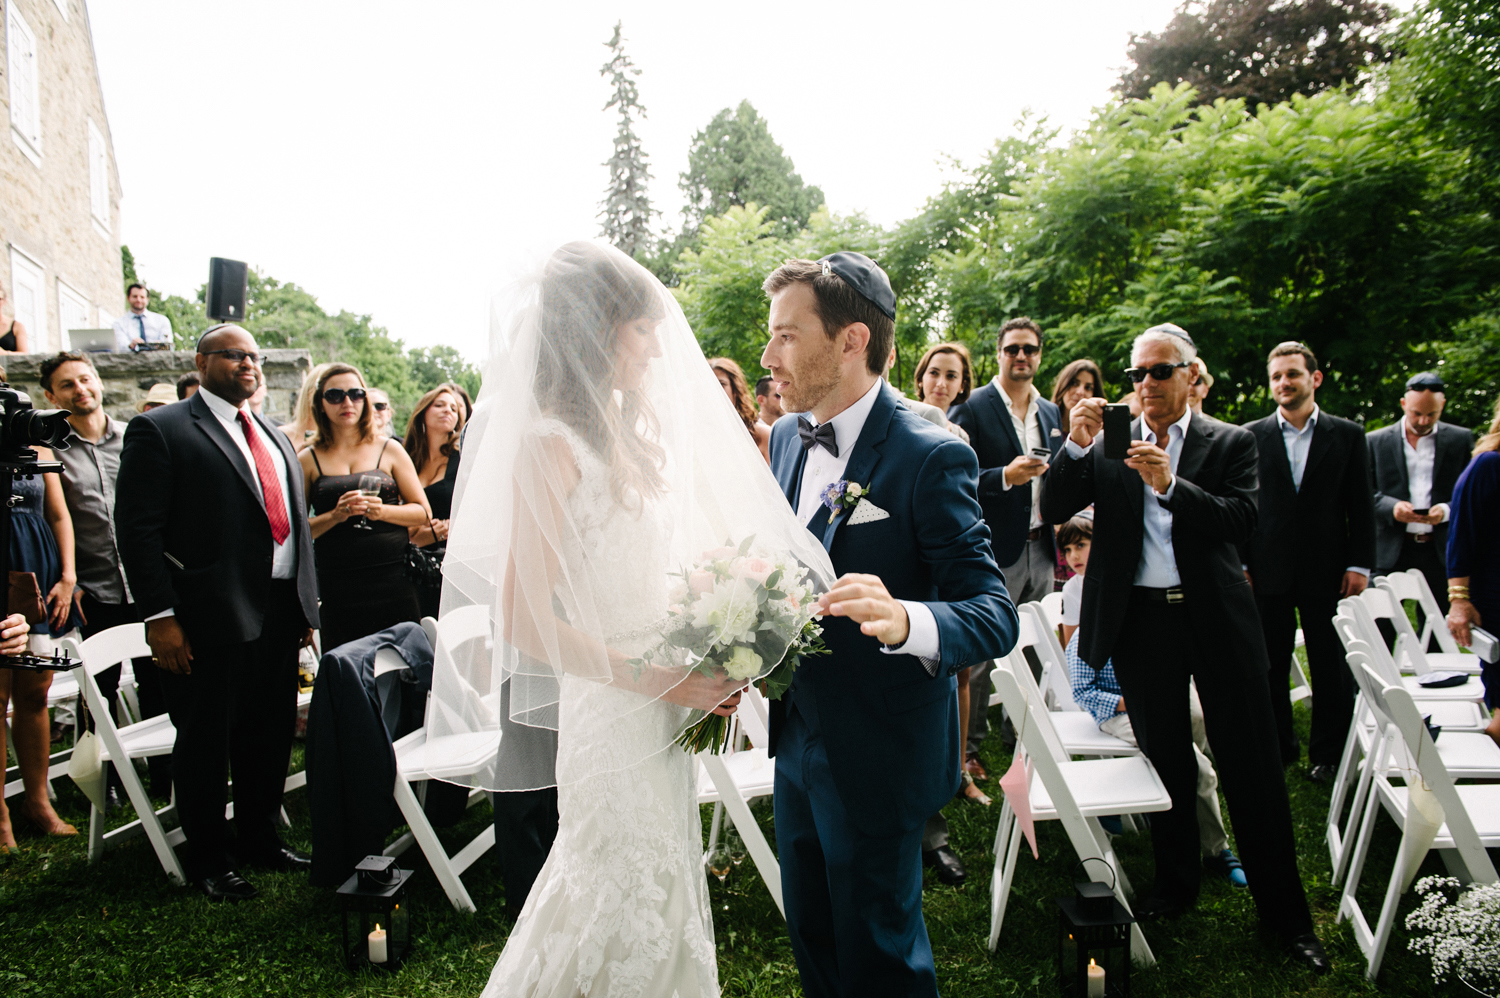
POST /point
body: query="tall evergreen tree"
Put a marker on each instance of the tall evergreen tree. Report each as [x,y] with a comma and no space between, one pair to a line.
[626,214]
[735,161]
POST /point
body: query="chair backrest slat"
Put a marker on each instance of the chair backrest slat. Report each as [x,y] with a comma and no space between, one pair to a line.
[1019,669]
[1032,733]
[1055,682]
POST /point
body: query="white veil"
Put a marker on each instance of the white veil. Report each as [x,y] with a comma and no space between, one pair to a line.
[609,501]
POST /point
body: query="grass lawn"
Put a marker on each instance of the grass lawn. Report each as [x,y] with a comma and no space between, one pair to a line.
[70,929]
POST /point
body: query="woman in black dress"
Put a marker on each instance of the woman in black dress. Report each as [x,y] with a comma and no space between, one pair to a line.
[359,540]
[432,443]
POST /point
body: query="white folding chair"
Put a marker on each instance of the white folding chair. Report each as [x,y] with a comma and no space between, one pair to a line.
[122,745]
[1055,684]
[1076,728]
[1052,608]
[449,757]
[1411,585]
[738,776]
[1074,793]
[1360,610]
[1471,815]
[1301,689]
[1410,654]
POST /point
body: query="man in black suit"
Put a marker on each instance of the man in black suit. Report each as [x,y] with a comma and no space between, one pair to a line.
[1166,600]
[213,532]
[1007,420]
[1417,461]
[1314,544]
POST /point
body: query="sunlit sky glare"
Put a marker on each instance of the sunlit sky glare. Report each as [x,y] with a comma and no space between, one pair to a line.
[403,160]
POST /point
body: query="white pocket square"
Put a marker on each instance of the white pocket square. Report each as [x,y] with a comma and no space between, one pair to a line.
[867,512]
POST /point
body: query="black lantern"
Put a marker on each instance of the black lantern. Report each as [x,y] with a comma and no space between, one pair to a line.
[1093,943]
[377,919]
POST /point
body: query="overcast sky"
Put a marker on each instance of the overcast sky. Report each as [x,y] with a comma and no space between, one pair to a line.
[402,159]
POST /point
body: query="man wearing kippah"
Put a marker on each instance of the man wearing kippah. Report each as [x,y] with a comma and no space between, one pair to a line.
[1416,461]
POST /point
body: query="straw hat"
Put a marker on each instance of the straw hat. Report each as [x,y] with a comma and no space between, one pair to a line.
[161,393]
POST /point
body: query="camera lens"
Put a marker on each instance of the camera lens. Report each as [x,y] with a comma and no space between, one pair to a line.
[38,427]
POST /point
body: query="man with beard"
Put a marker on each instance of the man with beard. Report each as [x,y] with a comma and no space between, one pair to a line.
[1314,543]
[768,401]
[91,463]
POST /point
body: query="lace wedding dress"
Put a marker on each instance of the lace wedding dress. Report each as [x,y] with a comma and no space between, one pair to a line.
[620,910]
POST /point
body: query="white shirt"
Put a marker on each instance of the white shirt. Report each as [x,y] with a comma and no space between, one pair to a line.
[1029,432]
[1072,602]
[1420,461]
[157,329]
[1158,565]
[1298,443]
[820,470]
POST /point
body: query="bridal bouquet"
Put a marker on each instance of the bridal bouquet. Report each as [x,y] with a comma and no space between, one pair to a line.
[740,614]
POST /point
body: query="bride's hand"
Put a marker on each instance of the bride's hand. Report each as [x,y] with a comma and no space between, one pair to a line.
[710,693]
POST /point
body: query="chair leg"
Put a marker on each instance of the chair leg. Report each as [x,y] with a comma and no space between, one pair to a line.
[1364,800]
[713,828]
[755,840]
[96,834]
[436,855]
[1007,854]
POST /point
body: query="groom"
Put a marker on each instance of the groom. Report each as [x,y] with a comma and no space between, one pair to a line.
[866,740]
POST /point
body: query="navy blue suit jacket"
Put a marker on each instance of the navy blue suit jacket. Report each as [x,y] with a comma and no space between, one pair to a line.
[889,726]
[986,418]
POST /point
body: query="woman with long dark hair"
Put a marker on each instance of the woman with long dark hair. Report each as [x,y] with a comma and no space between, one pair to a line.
[365,496]
[737,389]
[1080,379]
[431,442]
[945,376]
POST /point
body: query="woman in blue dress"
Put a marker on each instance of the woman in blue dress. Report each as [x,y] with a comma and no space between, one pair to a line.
[41,542]
[1474,557]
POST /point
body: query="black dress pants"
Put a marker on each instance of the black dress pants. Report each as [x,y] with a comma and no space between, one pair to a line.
[99,616]
[525,828]
[1154,659]
[235,714]
[1332,683]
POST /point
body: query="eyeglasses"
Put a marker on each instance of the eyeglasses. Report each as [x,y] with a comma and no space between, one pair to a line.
[1159,372]
[236,356]
[336,396]
[379,406]
[1031,349]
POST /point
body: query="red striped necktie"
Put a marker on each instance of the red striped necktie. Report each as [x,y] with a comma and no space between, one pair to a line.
[270,488]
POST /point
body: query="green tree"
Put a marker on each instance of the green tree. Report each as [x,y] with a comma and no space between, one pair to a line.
[433,366]
[1261,50]
[735,161]
[626,208]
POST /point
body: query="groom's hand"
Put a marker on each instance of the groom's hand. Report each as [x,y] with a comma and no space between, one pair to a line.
[863,599]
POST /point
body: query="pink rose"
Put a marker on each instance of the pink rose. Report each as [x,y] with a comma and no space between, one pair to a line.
[701,582]
[756,569]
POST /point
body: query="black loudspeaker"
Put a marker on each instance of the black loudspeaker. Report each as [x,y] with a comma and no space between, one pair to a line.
[228,286]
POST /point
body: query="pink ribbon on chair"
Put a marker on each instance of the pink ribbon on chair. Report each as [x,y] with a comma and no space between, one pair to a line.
[1016,783]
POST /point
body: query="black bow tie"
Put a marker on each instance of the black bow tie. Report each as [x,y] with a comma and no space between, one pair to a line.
[822,434]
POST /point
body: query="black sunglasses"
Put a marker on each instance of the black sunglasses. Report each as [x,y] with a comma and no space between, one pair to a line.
[1160,372]
[335,396]
[379,406]
[235,356]
[1031,349]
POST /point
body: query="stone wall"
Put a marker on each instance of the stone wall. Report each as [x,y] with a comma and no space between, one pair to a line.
[128,376]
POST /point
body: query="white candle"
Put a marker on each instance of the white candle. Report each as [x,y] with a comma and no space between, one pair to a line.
[377,952]
[1096,979]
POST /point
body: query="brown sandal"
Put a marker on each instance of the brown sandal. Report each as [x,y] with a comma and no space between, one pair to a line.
[55,827]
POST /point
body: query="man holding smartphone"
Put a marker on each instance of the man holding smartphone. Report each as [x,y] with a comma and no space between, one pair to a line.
[1014,432]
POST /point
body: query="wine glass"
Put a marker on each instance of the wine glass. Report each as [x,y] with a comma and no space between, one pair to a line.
[719,864]
[369,486]
[735,844]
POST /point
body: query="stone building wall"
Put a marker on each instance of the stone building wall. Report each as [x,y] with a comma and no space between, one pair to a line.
[59,263]
[128,377]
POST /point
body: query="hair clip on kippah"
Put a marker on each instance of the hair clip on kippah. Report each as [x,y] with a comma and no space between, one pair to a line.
[826,269]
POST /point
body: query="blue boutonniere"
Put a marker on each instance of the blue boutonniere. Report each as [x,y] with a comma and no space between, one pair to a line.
[842,495]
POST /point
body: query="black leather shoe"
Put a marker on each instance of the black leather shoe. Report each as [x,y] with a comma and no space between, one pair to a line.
[1157,908]
[282,859]
[228,887]
[1323,774]
[1306,949]
[950,869]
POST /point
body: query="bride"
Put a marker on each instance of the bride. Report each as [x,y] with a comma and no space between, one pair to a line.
[602,464]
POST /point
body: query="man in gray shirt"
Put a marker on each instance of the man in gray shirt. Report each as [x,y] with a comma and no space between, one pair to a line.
[91,463]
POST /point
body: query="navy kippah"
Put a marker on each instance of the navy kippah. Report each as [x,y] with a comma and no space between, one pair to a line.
[865,276]
[1426,381]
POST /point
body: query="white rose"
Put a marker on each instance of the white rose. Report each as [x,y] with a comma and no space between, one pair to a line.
[743,663]
[730,609]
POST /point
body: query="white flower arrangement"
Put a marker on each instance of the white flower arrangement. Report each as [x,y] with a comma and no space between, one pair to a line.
[1462,931]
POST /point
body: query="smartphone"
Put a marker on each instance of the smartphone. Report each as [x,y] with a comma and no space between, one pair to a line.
[1116,431]
[1420,512]
[1041,453]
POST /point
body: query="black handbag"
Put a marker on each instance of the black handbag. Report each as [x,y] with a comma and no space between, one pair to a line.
[424,566]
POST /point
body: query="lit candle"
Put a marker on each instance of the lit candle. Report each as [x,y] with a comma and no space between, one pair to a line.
[1096,978]
[377,955]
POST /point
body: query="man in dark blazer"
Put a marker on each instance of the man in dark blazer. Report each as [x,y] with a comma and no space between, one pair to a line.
[214,538]
[1416,462]
[866,740]
[1007,420]
[1165,598]
[1314,544]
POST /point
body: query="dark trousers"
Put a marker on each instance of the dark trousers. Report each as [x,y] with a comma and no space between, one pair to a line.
[1154,674]
[1332,683]
[1431,560]
[234,715]
[98,617]
[525,828]
[853,900]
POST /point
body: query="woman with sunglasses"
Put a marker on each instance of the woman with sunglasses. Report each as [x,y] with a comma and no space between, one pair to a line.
[14,339]
[365,496]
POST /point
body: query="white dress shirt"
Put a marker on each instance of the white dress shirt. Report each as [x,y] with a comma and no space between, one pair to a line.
[820,470]
[1158,565]
[1029,432]
[1298,443]
[152,327]
[1420,461]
